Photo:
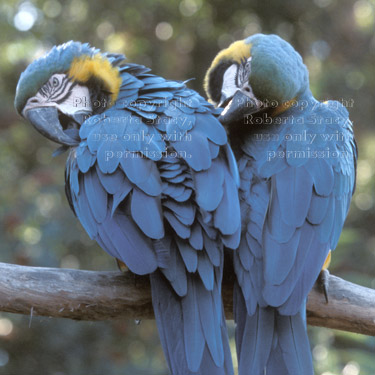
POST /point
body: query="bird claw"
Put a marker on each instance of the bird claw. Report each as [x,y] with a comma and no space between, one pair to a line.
[122,266]
[323,283]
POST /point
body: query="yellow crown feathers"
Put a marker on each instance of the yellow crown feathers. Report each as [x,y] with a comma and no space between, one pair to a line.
[237,51]
[85,67]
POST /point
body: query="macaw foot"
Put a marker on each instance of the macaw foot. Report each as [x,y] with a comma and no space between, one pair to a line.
[323,282]
[122,266]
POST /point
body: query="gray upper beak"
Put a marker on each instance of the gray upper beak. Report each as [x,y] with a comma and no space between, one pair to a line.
[240,106]
[223,100]
[46,121]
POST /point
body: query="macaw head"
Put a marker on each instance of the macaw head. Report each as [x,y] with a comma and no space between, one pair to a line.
[250,73]
[58,91]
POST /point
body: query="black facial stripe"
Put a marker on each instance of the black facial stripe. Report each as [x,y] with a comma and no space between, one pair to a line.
[57,94]
[46,90]
[67,94]
[215,79]
[243,73]
[43,91]
[64,91]
[59,90]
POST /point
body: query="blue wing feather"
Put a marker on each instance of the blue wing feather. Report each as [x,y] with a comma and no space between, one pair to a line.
[278,228]
[96,196]
[196,237]
[279,256]
[194,150]
[85,158]
[318,209]
[209,323]
[120,196]
[185,211]
[175,272]
[193,333]
[112,182]
[189,255]
[135,249]
[322,175]
[213,250]
[208,125]
[83,212]
[184,196]
[107,156]
[226,216]
[294,190]
[136,168]
[147,213]
[206,270]
[214,149]
[153,185]
[209,186]
[183,231]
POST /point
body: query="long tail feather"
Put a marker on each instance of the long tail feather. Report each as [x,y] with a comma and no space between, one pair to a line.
[269,343]
[183,337]
[294,343]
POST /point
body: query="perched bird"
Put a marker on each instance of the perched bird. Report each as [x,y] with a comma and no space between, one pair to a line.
[297,163]
[152,179]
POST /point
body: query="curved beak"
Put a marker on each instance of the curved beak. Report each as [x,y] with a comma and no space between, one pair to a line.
[46,121]
[240,105]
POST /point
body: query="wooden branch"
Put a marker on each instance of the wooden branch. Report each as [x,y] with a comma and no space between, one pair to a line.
[89,295]
[351,307]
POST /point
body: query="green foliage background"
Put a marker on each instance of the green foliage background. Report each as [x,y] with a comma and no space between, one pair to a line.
[178,39]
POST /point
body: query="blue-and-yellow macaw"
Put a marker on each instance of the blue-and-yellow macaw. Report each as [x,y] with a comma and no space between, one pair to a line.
[152,179]
[297,162]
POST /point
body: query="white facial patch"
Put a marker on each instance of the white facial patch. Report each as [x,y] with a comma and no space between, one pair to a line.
[230,87]
[77,101]
[62,93]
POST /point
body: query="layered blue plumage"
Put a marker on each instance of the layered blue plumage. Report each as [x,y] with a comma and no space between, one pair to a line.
[154,182]
[297,170]
[295,197]
[303,189]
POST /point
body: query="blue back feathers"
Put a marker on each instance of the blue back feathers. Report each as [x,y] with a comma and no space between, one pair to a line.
[297,182]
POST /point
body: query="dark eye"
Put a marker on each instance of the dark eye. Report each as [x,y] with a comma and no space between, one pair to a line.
[55,82]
